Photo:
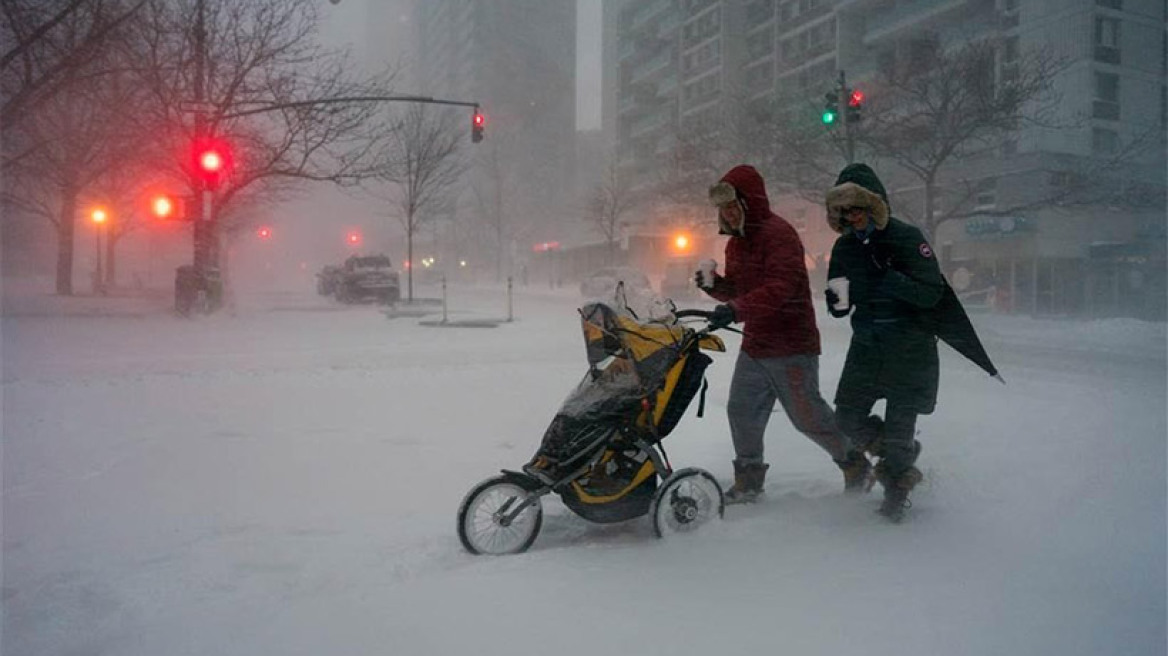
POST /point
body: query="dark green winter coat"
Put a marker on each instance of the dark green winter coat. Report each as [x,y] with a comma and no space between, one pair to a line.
[894,283]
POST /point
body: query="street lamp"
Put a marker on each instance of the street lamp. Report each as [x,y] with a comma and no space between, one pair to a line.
[99,216]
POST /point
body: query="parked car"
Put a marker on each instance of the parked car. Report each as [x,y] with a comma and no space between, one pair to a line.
[361,279]
[638,294]
[601,284]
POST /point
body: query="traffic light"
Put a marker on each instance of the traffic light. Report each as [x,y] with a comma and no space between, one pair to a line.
[477,122]
[353,238]
[211,161]
[855,104]
[264,232]
[830,108]
[168,207]
[162,207]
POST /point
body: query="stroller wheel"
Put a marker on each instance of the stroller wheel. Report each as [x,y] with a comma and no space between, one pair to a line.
[686,500]
[488,522]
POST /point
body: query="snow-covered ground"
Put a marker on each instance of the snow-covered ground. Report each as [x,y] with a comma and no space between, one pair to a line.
[285,481]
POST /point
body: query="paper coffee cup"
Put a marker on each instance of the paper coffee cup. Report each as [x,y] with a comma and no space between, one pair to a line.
[840,287]
[707,268]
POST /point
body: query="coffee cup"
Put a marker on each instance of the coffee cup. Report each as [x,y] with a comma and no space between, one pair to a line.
[706,269]
[840,287]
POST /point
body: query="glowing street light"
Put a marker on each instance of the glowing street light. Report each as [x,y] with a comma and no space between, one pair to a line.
[99,216]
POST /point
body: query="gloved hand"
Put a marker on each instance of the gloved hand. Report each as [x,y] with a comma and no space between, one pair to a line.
[832,300]
[722,316]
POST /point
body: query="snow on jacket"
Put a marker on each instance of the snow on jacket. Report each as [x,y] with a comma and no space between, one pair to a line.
[765,281]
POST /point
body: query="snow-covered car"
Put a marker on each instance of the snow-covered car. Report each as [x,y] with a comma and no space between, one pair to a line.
[601,284]
[360,279]
[638,294]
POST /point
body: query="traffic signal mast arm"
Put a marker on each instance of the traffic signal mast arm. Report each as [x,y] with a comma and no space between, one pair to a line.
[477,120]
[351,99]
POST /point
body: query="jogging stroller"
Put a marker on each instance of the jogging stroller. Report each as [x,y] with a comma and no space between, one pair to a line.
[602,453]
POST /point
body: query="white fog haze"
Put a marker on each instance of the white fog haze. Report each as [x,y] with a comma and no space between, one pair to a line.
[283,281]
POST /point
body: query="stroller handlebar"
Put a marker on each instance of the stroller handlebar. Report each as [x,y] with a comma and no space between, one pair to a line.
[703,314]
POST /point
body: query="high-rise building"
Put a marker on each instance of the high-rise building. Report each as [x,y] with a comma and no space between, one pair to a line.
[518,59]
[689,63]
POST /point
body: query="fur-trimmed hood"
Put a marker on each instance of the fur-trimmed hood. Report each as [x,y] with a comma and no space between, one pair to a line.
[857,186]
[744,183]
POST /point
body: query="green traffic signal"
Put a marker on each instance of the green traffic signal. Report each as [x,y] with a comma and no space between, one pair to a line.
[830,108]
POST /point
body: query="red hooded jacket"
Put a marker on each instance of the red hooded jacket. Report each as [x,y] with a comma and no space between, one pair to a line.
[765,281]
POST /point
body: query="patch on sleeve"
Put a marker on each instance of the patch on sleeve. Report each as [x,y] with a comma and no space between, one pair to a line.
[926,252]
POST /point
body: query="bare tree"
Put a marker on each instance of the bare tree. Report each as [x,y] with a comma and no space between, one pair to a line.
[77,135]
[610,200]
[283,103]
[950,106]
[267,88]
[422,166]
[44,44]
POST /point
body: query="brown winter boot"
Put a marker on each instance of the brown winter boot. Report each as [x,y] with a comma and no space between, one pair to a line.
[896,491]
[748,480]
[857,472]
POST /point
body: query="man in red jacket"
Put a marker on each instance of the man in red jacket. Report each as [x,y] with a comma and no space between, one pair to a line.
[765,286]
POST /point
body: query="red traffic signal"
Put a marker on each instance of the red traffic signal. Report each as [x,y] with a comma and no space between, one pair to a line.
[353,238]
[264,232]
[162,207]
[168,207]
[856,99]
[477,122]
[211,161]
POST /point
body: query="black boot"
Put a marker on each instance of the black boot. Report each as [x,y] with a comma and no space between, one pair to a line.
[857,472]
[748,481]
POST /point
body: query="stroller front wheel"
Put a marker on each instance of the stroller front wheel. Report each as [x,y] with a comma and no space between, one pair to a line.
[498,516]
[686,500]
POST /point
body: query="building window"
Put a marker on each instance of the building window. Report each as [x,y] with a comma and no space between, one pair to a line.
[986,195]
[1107,40]
[1009,14]
[759,11]
[1104,141]
[1106,105]
[1164,107]
[1009,71]
[759,45]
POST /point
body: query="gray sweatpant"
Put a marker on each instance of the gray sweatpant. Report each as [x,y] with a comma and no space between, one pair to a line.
[794,381]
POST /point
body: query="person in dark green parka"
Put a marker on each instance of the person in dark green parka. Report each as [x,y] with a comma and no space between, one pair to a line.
[894,282]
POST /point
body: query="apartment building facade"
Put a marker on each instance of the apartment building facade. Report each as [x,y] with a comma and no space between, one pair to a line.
[683,63]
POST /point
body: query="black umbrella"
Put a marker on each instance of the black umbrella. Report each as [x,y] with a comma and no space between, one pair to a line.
[954,328]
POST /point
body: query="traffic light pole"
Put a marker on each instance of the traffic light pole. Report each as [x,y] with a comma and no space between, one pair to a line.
[844,98]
